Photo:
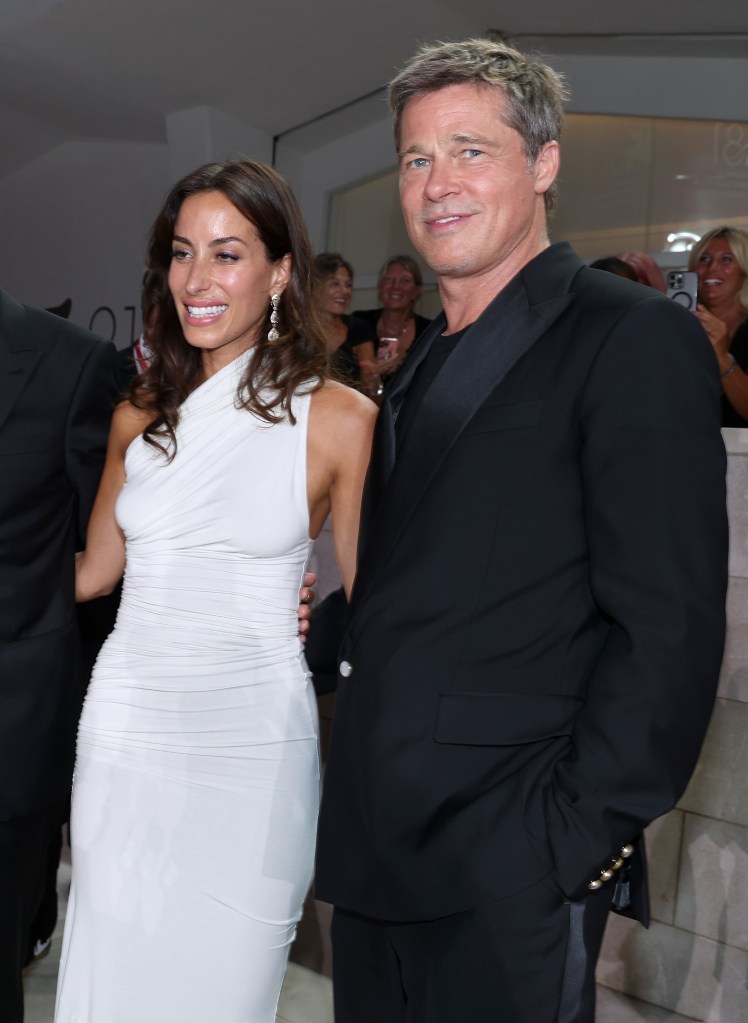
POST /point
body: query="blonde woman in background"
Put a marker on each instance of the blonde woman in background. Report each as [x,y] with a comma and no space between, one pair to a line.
[720,259]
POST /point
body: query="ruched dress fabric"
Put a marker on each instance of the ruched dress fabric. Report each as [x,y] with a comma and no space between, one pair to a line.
[196,784]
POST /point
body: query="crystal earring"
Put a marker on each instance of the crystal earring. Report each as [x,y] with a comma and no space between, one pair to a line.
[273,334]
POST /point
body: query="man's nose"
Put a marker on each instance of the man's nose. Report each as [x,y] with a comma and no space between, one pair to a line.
[442,180]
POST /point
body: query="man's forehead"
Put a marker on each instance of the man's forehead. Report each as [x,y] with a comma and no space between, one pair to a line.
[466,93]
[454,112]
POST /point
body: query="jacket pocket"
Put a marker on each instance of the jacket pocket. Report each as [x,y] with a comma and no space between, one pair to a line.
[504,719]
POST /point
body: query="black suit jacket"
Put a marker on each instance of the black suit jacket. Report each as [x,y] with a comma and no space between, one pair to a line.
[538,618]
[57,386]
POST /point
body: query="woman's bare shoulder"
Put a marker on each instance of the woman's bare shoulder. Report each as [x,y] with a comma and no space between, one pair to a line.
[127,422]
[335,400]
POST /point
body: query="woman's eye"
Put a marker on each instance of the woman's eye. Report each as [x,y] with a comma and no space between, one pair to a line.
[227,257]
[179,254]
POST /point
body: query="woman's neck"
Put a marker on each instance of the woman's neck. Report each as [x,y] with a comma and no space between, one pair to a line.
[394,323]
[330,321]
[335,328]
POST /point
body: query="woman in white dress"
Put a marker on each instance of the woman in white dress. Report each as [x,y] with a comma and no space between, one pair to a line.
[197,774]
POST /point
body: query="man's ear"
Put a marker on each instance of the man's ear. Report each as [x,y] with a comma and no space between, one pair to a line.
[546,167]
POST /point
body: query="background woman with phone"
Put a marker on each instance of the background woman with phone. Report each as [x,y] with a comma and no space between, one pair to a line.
[720,259]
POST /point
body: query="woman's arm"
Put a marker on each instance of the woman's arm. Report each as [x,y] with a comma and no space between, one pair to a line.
[99,568]
[363,342]
[734,378]
[341,425]
[735,386]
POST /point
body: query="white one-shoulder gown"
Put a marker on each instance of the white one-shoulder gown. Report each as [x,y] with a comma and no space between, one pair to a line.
[197,776]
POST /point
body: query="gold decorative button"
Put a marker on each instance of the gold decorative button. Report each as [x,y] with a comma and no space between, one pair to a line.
[608,872]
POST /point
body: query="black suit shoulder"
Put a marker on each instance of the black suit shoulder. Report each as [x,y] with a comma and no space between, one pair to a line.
[49,330]
[25,327]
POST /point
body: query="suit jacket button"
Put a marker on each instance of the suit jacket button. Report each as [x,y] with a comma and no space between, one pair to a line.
[346,668]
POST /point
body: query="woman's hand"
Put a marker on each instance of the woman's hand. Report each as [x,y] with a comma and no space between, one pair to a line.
[371,381]
[717,332]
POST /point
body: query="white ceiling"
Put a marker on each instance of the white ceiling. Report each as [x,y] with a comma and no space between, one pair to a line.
[96,69]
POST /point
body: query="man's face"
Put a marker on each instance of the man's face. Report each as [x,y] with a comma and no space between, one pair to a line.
[471,200]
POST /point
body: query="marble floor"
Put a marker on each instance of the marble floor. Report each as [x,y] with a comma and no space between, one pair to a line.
[306,996]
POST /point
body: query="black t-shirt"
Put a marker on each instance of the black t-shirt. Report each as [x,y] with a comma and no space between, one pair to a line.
[441,348]
[739,351]
[343,361]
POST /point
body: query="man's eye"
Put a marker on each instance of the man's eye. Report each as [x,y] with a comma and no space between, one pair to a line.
[418,162]
[473,152]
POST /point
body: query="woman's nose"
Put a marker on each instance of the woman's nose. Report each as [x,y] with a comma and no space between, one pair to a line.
[198,278]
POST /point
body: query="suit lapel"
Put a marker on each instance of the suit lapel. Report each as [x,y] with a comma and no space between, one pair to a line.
[383,453]
[521,313]
[18,355]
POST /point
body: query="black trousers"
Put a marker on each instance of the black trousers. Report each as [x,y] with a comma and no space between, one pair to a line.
[24,853]
[527,958]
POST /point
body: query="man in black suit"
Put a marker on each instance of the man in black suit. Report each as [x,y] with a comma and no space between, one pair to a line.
[537,623]
[57,387]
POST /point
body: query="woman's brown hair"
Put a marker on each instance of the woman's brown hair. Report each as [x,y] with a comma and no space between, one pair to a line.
[276,369]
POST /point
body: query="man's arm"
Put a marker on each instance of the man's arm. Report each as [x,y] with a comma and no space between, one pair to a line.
[653,468]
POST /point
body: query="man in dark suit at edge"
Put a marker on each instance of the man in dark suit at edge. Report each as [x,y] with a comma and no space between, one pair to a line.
[537,622]
[57,389]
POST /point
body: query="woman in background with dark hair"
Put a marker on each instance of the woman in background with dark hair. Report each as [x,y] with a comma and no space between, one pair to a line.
[197,778]
[350,340]
[720,258]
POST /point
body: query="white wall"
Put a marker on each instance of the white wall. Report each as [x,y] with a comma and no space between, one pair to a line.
[315,175]
[75,224]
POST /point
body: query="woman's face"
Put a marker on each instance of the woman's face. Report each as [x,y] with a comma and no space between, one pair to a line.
[398,289]
[720,276]
[220,277]
[336,292]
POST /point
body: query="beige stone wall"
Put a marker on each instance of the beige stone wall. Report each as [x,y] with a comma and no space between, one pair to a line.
[694,958]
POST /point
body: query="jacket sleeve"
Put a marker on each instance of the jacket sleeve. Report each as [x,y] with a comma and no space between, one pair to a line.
[653,472]
[87,427]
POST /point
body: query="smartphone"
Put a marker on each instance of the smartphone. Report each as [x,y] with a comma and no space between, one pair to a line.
[682,287]
[387,349]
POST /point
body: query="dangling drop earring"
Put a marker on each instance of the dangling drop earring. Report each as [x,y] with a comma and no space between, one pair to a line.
[273,334]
